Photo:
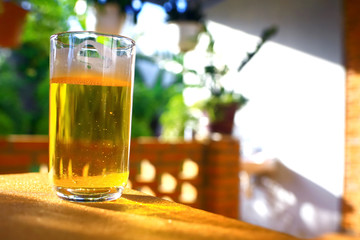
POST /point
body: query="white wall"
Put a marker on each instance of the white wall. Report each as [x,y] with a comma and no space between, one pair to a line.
[295,113]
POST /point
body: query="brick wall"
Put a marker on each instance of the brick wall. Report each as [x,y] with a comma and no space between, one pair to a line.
[351,200]
[222,167]
[19,154]
[165,176]
[204,175]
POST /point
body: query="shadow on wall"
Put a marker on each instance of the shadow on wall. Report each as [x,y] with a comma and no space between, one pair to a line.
[305,211]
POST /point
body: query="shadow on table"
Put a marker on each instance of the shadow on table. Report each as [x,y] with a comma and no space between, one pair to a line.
[45,217]
[134,203]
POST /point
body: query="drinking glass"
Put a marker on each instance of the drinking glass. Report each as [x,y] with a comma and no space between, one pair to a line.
[91,85]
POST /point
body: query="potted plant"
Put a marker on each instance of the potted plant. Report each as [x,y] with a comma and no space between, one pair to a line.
[223,103]
[12,19]
[188,18]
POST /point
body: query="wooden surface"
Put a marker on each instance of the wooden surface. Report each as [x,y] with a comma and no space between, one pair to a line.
[29,209]
[337,236]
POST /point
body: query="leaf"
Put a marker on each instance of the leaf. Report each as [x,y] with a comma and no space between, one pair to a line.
[265,36]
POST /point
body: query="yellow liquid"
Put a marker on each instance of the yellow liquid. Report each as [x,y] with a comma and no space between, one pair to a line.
[89,134]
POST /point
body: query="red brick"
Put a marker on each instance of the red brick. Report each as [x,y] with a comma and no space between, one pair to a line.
[173,170]
[4,143]
[223,170]
[43,158]
[29,142]
[350,219]
[223,194]
[14,169]
[15,159]
[228,208]
[222,205]
[138,157]
[226,159]
[222,183]
[189,147]
[31,146]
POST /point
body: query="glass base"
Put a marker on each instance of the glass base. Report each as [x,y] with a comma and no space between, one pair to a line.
[89,194]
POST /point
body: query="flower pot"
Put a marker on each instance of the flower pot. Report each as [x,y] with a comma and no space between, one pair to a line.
[188,34]
[12,18]
[224,121]
[109,18]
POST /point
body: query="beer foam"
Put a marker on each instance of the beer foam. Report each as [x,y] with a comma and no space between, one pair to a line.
[92,80]
[105,63]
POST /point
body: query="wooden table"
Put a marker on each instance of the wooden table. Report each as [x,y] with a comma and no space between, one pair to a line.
[29,209]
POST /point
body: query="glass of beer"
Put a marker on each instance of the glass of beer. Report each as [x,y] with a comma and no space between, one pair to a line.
[91,85]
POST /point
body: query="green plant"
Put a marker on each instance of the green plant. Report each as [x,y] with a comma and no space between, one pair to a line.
[12,117]
[213,75]
[176,114]
[24,78]
[151,101]
[175,117]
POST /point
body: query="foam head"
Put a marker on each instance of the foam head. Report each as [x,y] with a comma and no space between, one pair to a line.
[76,54]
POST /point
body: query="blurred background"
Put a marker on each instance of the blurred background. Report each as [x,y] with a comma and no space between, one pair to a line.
[278,62]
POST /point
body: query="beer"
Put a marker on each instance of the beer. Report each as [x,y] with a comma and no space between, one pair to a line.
[90,118]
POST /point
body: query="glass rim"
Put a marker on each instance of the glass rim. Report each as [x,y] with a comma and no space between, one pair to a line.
[52,37]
